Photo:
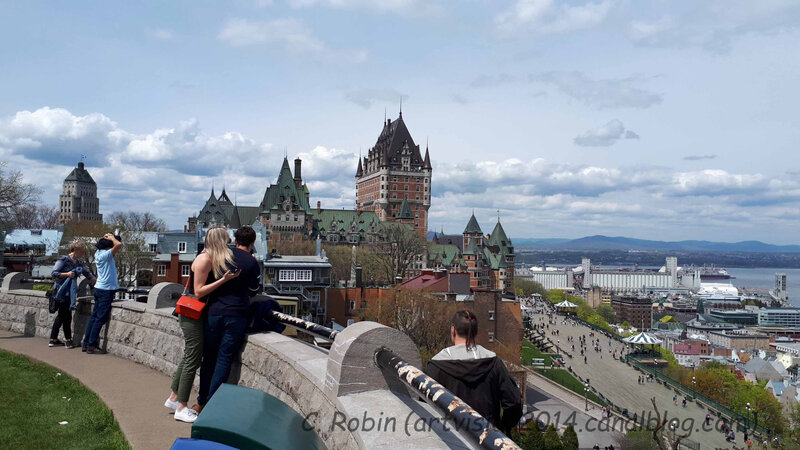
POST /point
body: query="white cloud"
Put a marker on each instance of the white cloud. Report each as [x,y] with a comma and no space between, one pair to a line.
[403,7]
[605,135]
[158,33]
[600,94]
[548,16]
[715,182]
[715,24]
[290,35]
[482,81]
[365,97]
[170,171]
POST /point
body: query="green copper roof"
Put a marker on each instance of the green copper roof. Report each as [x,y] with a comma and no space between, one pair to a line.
[473,227]
[284,189]
[498,236]
[341,221]
[472,248]
[405,211]
[446,252]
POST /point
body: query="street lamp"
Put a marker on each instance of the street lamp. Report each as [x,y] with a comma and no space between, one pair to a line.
[586,395]
[748,414]
[694,388]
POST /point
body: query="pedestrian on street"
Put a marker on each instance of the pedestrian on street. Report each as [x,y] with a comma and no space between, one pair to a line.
[675,400]
[684,403]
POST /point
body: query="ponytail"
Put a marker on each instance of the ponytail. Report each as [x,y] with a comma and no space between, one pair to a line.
[466,326]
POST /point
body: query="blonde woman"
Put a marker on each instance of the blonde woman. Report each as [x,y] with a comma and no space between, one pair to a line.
[210,270]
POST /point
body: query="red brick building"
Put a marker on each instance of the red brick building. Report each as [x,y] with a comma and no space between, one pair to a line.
[172,268]
[394,179]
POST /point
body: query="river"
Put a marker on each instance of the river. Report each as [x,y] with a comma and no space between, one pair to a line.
[765,278]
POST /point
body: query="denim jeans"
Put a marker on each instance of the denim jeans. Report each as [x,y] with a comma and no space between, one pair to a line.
[222,340]
[100,315]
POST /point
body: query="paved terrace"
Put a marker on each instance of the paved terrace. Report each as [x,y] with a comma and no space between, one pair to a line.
[145,345]
[618,382]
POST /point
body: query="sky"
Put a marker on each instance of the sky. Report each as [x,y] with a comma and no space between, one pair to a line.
[664,120]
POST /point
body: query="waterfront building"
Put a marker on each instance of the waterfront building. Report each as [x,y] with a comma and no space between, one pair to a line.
[78,200]
[779,317]
[394,180]
[620,280]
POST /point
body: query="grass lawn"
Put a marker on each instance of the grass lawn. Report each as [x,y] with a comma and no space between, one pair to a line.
[566,379]
[32,404]
[529,351]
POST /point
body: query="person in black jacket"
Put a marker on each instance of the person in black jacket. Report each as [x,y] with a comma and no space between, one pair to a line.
[477,375]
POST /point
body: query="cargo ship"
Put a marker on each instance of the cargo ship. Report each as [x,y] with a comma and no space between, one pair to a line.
[713,273]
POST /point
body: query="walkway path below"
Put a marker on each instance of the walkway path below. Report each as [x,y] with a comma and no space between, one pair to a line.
[134,393]
[618,381]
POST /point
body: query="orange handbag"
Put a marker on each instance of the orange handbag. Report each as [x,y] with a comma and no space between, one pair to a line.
[189,306]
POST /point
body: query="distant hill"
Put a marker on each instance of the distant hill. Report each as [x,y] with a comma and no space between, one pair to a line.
[623,243]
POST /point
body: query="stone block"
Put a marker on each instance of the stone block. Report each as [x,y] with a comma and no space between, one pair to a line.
[164,295]
[13,281]
[351,362]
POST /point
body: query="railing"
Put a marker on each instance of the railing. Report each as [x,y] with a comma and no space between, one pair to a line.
[712,404]
[467,421]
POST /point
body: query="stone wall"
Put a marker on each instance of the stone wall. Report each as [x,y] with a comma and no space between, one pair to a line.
[291,370]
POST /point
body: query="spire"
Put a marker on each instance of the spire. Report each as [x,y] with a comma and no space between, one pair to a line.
[427,162]
[360,170]
[472,226]
[212,189]
[401,107]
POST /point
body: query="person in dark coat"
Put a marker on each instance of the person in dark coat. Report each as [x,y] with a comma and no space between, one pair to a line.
[477,375]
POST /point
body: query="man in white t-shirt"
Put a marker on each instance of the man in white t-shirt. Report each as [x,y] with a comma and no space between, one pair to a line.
[104,290]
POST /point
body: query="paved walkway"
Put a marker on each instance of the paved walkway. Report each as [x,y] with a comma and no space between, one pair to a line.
[134,393]
[618,382]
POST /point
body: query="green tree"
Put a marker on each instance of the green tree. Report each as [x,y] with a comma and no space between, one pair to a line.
[607,312]
[569,439]
[640,440]
[532,439]
[551,439]
[399,247]
[525,288]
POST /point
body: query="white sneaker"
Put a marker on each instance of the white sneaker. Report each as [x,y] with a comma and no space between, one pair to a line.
[187,415]
[170,404]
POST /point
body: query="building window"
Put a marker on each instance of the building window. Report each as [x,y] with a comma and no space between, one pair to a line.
[315,296]
[491,315]
[303,275]
[352,305]
[153,248]
[185,270]
[491,336]
[286,275]
[162,270]
[181,247]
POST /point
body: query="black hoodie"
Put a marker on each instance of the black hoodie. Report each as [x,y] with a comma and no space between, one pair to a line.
[483,383]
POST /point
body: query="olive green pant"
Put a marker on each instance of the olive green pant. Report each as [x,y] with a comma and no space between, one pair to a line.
[192,357]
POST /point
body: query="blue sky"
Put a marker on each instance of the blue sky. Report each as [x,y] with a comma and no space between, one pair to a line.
[660,120]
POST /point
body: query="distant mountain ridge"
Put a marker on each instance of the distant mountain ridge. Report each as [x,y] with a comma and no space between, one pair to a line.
[600,242]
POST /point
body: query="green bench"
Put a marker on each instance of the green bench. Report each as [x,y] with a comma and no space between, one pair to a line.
[249,419]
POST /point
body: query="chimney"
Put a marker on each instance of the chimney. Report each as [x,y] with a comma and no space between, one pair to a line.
[80,165]
[298,176]
[319,246]
[319,209]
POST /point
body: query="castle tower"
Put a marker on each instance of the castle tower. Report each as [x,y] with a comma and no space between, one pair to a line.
[78,200]
[393,172]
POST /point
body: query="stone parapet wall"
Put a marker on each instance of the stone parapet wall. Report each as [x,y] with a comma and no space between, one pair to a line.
[293,371]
